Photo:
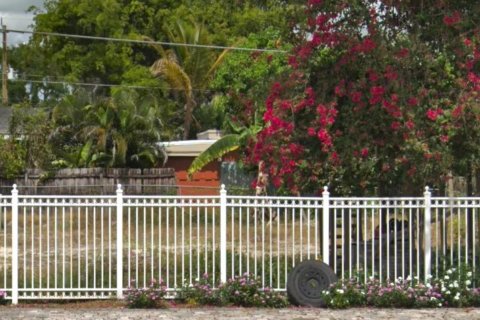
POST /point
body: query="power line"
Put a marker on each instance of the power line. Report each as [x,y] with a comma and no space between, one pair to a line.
[163,43]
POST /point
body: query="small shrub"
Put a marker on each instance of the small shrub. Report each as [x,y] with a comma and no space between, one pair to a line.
[150,297]
[3,297]
[391,295]
[344,294]
[456,287]
[452,289]
[244,291]
[201,292]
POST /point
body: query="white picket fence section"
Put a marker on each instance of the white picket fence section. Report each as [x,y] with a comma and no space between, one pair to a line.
[95,247]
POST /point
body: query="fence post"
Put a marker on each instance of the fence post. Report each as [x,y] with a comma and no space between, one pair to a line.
[119,242]
[326,226]
[223,234]
[427,236]
[14,245]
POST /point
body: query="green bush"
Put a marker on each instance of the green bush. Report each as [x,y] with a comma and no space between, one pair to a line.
[200,293]
[242,291]
[452,289]
[150,297]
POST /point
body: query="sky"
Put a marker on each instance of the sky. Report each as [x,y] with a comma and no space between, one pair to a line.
[14,15]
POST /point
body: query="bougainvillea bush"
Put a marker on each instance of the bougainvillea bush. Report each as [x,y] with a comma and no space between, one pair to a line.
[382,97]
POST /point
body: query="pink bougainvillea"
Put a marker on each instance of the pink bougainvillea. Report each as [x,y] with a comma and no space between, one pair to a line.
[359,111]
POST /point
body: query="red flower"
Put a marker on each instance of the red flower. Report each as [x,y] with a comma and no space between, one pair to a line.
[457,112]
[276,181]
[340,89]
[395,125]
[321,19]
[444,138]
[292,61]
[367,45]
[325,138]
[377,91]
[364,152]
[412,101]
[433,114]
[356,96]
[403,53]
[409,124]
[372,76]
[311,132]
[390,74]
[312,3]
[452,19]
[334,158]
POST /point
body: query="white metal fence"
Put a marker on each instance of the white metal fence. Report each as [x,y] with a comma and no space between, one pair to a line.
[88,247]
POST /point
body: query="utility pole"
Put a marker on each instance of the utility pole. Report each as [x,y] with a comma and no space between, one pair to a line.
[4,67]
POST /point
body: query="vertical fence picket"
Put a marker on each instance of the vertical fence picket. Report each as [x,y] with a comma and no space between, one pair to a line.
[14,245]
[427,237]
[119,242]
[326,226]
[223,234]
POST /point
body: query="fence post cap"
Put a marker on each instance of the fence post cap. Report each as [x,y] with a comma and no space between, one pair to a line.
[427,189]
[325,190]
[14,187]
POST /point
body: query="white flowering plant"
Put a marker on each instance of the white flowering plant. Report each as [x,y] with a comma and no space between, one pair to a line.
[452,287]
[456,285]
[344,294]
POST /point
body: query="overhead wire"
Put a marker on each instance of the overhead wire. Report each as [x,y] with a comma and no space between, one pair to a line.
[163,43]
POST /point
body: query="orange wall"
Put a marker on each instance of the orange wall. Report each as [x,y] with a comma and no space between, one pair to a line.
[205,182]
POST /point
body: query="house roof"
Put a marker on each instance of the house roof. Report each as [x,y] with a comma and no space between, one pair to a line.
[186,148]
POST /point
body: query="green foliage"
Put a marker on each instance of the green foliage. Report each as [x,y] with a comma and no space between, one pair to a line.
[31,127]
[240,137]
[222,146]
[121,131]
[201,292]
[244,78]
[12,158]
[245,291]
[240,291]
[454,288]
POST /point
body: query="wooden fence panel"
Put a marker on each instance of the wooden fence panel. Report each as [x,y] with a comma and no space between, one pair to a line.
[85,181]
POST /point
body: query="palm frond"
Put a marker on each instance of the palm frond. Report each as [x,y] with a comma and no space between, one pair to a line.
[219,148]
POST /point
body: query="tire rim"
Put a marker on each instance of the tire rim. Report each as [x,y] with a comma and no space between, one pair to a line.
[311,284]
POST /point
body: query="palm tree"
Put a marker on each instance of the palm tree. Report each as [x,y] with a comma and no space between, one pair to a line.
[68,118]
[186,69]
[119,131]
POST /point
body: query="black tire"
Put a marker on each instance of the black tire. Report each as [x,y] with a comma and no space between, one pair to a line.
[306,282]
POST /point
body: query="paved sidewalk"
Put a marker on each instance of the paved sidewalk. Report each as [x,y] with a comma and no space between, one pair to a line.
[235,313]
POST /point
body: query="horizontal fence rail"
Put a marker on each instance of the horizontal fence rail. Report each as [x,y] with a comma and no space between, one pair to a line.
[96,247]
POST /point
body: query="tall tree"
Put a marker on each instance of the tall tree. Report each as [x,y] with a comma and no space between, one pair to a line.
[187,69]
